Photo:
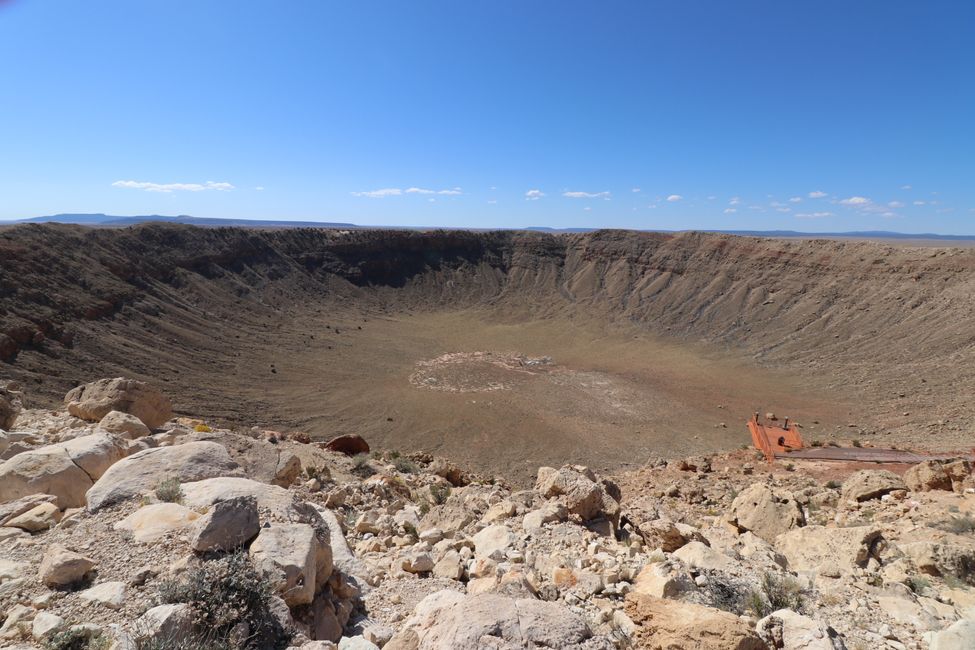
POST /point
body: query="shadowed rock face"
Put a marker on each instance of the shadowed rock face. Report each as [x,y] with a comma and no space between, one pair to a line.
[265,325]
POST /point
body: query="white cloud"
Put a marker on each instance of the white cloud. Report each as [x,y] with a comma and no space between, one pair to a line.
[813,215]
[735,200]
[432,200]
[586,195]
[783,209]
[795,199]
[920,203]
[652,206]
[895,204]
[493,201]
[730,210]
[711,198]
[534,195]
[395,191]
[635,189]
[856,200]
[816,194]
[905,187]
[419,190]
[259,188]
[674,198]
[174,187]
[379,194]
[587,208]
[889,215]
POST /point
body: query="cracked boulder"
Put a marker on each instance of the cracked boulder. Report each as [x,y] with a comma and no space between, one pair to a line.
[48,470]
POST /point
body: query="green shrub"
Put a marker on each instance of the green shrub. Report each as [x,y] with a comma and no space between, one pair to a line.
[169,490]
[917,584]
[77,639]
[405,465]
[361,466]
[775,593]
[857,443]
[224,594]
[959,525]
[439,493]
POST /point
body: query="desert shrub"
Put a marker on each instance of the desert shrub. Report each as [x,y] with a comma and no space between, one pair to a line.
[405,465]
[394,454]
[857,443]
[424,508]
[361,466]
[202,428]
[775,593]
[816,443]
[169,490]
[833,485]
[439,493]
[77,639]
[959,525]
[917,584]
[411,530]
[225,594]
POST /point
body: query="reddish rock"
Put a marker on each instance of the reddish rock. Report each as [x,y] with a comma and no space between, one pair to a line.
[349,444]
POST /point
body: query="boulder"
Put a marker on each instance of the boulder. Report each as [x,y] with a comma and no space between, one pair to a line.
[124,424]
[106,594]
[227,525]
[788,630]
[814,548]
[95,400]
[287,470]
[19,506]
[8,411]
[663,580]
[61,567]
[276,502]
[668,535]
[298,561]
[549,512]
[765,512]
[350,444]
[584,495]
[700,556]
[664,624]
[156,520]
[45,624]
[166,622]
[494,541]
[960,635]
[941,554]
[449,620]
[926,476]
[95,453]
[871,484]
[39,518]
[48,470]
[142,471]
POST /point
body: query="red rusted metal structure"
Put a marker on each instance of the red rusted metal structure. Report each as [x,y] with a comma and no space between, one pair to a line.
[773,437]
[782,440]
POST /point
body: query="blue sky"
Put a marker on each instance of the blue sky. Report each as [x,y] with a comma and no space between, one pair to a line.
[806,115]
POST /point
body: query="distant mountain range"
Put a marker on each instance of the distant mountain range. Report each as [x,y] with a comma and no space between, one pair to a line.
[111,221]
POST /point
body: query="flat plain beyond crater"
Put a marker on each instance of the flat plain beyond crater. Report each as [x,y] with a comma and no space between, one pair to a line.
[503,350]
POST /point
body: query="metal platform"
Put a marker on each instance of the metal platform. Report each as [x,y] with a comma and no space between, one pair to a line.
[866,455]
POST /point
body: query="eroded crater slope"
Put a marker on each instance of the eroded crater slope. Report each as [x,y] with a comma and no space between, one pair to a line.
[654,343]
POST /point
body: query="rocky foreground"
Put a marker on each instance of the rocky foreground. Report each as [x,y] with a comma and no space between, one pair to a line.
[122,527]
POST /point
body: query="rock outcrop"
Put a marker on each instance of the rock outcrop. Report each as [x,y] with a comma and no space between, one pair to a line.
[97,399]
